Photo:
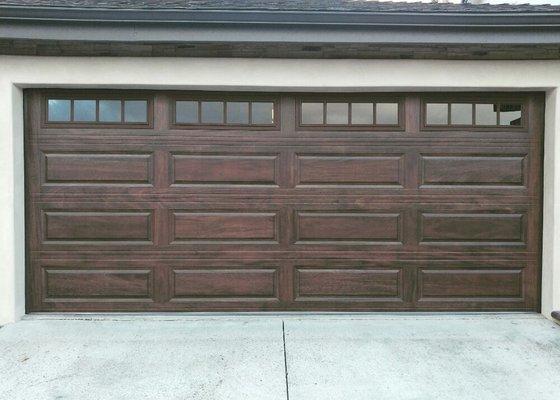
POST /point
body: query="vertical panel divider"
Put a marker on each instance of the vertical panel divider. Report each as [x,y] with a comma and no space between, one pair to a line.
[413,113]
[286,282]
[161,282]
[284,178]
[161,122]
[288,129]
[162,115]
[412,129]
[412,284]
[412,181]
[288,115]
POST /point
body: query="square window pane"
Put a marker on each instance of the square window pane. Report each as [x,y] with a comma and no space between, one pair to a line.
[387,113]
[84,110]
[109,111]
[362,113]
[486,114]
[262,113]
[212,112]
[59,110]
[186,112]
[135,111]
[436,114]
[510,114]
[312,113]
[337,113]
[461,114]
[237,112]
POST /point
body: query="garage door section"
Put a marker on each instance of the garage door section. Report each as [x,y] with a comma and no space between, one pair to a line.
[244,201]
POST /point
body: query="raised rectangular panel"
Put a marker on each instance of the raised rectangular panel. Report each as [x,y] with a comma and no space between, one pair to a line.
[197,169]
[96,226]
[477,228]
[347,283]
[347,228]
[223,227]
[470,283]
[100,284]
[132,169]
[350,170]
[224,284]
[473,170]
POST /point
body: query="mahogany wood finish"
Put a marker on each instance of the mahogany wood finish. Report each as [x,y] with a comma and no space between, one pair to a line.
[174,218]
[349,170]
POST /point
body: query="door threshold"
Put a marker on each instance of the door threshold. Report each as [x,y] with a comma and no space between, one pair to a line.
[183,316]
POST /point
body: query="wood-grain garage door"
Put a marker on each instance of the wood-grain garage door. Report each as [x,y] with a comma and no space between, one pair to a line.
[244,201]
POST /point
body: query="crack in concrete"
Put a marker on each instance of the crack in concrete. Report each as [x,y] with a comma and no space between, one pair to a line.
[285,361]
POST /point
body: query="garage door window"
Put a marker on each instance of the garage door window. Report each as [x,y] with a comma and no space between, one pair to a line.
[472,114]
[237,112]
[224,113]
[387,113]
[84,110]
[510,114]
[110,111]
[97,111]
[362,113]
[461,114]
[350,114]
[59,110]
[135,111]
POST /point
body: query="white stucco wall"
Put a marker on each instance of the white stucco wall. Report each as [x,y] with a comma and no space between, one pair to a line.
[258,74]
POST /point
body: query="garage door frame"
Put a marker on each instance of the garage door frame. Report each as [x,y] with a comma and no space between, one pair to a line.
[282,276]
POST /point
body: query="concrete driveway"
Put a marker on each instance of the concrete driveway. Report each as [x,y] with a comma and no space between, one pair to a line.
[295,357]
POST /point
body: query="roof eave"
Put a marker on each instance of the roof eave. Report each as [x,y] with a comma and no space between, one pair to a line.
[261,26]
[253,17]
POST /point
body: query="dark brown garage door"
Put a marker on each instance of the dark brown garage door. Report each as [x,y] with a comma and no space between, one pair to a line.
[243,201]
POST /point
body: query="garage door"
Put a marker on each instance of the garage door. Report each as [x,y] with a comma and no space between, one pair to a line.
[242,201]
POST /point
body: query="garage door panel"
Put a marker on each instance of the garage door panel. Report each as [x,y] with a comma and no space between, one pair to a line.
[97,169]
[347,170]
[224,169]
[223,227]
[473,228]
[480,285]
[223,284]
[97,227]
[471,283]
[473,170]
[331,173]
[325,284]
[347,284]
[97,284]
[347,228]
[324,227]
